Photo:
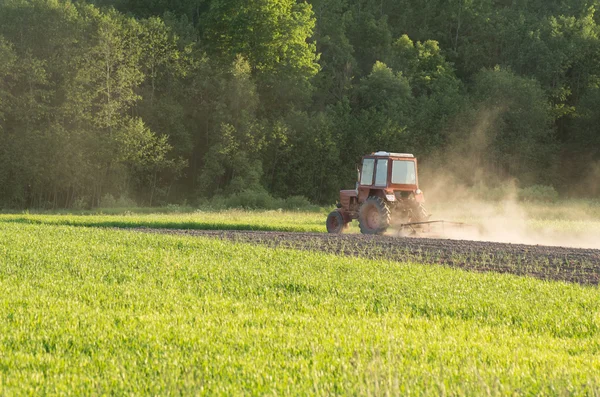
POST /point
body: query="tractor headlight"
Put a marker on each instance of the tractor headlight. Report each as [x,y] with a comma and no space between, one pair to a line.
[390,197]
[418,191]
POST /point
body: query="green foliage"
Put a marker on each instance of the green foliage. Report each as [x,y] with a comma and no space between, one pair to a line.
[506,132]
[261,200]
[307,136]
[228,168]
[488,192]
[382,104]
[167,101]
[273,35]
[521,139]
[384,91]
[249,199]
[538,193]
[108,201]
[72,128]
[439,95]
[296,203]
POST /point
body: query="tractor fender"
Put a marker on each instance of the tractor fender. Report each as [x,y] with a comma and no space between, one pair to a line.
[365,193]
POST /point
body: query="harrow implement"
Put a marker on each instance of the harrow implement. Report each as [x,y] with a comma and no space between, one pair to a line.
[432,229]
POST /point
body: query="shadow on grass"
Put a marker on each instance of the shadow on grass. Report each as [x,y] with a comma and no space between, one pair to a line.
[112,211]
[159,225]
[169,210]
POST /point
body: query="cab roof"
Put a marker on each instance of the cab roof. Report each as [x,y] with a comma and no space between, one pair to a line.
[388,154]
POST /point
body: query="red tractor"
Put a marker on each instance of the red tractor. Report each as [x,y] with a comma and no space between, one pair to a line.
[388,188]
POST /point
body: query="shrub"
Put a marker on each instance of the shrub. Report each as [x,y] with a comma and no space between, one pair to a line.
[81,203]
[498,192]
[297,203]
[108,201]
[125,202]
[538,193]
[250,199]
[260,199]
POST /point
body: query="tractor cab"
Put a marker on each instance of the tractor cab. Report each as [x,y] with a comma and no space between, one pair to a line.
[393,175]
[388,185]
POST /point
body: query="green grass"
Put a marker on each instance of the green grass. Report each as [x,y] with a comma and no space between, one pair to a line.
[568,217]
[203,220]
[86,311]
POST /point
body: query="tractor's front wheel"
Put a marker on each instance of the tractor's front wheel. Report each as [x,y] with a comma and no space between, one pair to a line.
[374,216]
[335,222]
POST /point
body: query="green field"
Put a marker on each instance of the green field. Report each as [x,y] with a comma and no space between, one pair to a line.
[202,220]
[570,218]
[86,311]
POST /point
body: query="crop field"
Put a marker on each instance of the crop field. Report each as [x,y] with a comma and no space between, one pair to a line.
[87,308]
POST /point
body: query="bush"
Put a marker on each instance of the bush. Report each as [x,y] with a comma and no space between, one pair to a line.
[250,199]
[81,203]
[255,200]
[538,193]
[498,192]
[296,203]
[125,202]
[178,208]
[108,201]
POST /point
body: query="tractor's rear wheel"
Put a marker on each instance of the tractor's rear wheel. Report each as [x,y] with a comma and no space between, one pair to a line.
[374,216]
[335,222]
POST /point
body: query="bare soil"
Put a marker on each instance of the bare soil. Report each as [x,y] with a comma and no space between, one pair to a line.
[573,265]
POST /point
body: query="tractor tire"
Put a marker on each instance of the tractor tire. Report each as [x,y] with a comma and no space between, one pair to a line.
[335,222]
[420,214]
[374,216]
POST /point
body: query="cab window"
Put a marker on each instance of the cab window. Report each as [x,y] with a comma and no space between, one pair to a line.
[381,174]
[366,177]
[404,173]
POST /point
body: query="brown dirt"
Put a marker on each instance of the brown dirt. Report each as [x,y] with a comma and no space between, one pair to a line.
[573,265]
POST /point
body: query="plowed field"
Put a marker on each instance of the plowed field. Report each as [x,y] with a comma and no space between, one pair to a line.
[580,266]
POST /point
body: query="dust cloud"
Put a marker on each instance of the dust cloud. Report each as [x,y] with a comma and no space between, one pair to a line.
[460,185]
[510,221]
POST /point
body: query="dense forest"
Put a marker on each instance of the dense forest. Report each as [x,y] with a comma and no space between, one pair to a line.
[171,101]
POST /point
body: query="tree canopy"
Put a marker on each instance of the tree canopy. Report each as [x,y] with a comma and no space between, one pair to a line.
[167,101]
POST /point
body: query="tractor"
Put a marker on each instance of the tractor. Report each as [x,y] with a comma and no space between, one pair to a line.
[387,188]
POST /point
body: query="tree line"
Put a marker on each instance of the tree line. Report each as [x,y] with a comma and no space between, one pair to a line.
[166,101]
